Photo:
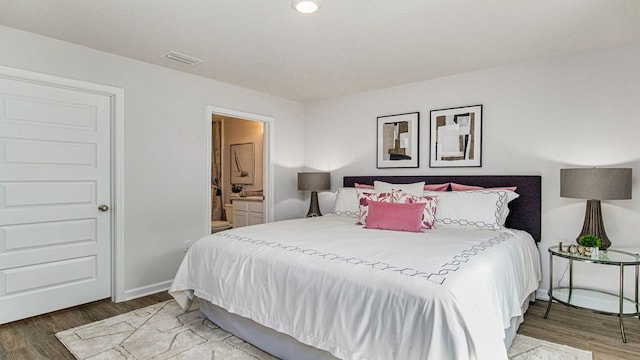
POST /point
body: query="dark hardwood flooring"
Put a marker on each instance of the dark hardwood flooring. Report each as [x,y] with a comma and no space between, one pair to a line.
[583,329]
[34,338]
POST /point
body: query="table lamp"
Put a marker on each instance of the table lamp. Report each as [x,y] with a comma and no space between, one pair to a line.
[595,184]
[314,181]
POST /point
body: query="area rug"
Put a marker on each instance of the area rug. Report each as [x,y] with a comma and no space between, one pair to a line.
[165,331]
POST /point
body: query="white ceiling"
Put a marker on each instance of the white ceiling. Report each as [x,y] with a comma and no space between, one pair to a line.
[349,46]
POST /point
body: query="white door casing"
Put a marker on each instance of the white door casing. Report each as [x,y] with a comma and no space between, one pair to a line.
[55,170]
[268,153]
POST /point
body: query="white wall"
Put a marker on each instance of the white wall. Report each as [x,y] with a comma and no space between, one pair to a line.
[578,110]
[166,196]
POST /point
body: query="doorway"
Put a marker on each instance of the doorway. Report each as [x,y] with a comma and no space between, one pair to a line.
[249,134]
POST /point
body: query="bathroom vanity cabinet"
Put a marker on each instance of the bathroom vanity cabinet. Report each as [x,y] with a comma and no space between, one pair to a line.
[248,211]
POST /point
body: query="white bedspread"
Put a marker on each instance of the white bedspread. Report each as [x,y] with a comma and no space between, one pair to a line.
[368,294]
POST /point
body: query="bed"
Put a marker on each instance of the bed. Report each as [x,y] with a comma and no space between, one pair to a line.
[326,288]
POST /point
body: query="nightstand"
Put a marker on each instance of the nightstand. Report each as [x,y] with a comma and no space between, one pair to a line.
[599,301]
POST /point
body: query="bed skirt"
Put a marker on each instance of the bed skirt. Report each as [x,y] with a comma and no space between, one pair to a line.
[286,347]
[275,343]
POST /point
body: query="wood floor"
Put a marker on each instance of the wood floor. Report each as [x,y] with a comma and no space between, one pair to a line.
[583,329]
[34,338]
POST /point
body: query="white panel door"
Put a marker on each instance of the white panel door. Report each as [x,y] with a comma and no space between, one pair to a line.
[55,171]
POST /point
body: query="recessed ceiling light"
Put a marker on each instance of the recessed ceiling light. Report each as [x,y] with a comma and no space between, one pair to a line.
[306,6]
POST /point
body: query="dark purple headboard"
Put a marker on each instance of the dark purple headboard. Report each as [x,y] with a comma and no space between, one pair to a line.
[525,212]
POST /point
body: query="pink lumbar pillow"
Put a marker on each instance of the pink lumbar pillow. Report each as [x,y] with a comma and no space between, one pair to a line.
[429,212]
[391,216]
[461,187]
[437,187]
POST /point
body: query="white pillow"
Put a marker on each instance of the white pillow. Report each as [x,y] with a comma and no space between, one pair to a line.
[511,195]
[477,209]
[347,203]
[415,189]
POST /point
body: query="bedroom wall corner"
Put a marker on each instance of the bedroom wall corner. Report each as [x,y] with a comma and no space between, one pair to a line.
[540,116]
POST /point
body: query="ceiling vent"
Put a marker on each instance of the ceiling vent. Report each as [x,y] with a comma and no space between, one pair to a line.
[181,58]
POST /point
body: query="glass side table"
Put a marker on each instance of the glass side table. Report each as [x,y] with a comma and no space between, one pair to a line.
[596,300]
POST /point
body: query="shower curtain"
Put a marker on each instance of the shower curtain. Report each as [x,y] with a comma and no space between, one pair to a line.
[216,166]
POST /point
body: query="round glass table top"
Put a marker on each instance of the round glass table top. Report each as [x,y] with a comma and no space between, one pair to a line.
[610,256]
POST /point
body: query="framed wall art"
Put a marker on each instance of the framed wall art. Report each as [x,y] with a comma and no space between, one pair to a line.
[398,141]
[456,137]
[242,163]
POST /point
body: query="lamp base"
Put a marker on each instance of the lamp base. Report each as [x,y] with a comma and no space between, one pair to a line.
[593,224]
[314,208]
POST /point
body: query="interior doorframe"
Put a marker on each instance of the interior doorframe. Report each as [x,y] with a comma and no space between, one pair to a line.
[268,154]
[117,159]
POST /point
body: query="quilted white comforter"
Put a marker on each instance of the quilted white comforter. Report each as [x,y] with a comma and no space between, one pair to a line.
[368,294]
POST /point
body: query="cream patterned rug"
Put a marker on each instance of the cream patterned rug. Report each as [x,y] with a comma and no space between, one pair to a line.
[164,331]
[528,348]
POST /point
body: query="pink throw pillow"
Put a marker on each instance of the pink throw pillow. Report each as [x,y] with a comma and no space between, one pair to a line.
[461,187]
[363,186]
[429,212]
[437,187]
[391,216]
[364,199]
[429,187]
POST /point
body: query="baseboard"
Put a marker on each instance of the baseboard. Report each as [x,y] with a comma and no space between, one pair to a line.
[146,290]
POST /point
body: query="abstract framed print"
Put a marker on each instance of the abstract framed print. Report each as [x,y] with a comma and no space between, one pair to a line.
[398,141]
[456,137]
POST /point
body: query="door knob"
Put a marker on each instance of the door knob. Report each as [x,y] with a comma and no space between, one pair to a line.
[103,207]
